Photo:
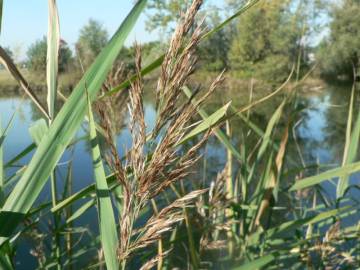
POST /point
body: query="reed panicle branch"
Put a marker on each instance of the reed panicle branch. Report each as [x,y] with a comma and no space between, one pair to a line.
[152,175]
[177,66]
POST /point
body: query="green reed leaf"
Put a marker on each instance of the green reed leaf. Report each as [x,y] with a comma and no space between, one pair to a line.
[108,232]
[207,123]
[53,46]
[330,174]
[351,147]
[63,130]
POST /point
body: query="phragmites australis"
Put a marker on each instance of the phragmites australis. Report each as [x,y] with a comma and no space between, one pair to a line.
[144,176]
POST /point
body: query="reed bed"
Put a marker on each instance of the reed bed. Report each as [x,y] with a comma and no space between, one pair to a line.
[153,212]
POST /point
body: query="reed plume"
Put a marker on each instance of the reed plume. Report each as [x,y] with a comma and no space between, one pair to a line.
[143,177]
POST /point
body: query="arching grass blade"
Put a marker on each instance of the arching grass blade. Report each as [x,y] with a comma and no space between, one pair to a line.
[63,130]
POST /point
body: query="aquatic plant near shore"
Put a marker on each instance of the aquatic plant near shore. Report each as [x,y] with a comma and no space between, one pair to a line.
[142,197]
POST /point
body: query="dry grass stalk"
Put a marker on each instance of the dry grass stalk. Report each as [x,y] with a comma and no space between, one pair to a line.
[131,204]
[137,122]
[214,219]
[274,175]
[109,116]
[328,251]
[155,178]
[177,66]
[150,177]
[38,251]
[330,254]
[165,220]
[151,263]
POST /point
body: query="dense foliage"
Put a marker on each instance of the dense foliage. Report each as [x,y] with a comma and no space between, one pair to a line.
[339,54]
[37,54]
[92,38]
[164,14]
[266,42]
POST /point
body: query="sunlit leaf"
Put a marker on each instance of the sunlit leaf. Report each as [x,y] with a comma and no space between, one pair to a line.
[63,129]
[330,174]
[53,46]
[108,232]
[207,123]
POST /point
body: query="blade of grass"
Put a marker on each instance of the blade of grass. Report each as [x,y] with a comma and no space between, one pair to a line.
[5,131]
[53,46]
[219,134]
[348,126]
[2,176]
[22,154]
[14,177]
[288,226]
[327,175]
[108,232]
[63,129]
[303,222]
[266,139]
[31,147]
[80,211]
[243,9]
[270,186]
[225,140]
[5,261]
[229,187]
[258,263]
[3,134]
[261,190]
[207,123]
[265,98]
[351,147]
[255,199]
[38,130]
[269,129]
[84,193]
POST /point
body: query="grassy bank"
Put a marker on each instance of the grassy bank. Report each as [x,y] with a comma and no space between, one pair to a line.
[37,81]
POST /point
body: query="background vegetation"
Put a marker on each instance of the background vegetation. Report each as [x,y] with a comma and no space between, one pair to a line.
[263,208]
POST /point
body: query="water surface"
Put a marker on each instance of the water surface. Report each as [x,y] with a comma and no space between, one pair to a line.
[319,133]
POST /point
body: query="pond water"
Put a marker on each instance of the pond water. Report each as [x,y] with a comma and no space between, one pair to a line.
[319,133]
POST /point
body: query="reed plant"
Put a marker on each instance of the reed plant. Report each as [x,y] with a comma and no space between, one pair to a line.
[152,211]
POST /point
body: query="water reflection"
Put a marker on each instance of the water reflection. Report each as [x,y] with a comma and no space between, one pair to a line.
[320,135]
[322,131]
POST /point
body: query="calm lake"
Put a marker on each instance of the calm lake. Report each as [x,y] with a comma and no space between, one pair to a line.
[319,133]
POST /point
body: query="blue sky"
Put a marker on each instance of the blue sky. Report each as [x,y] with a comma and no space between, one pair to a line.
[25,21]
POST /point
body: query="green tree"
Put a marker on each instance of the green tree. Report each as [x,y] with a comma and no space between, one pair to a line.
[266,42]
[339,55]
[65,57]
[37,54]
[93,37]
[164,13]
[213,51]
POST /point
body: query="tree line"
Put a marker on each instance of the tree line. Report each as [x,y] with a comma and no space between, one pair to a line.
[270,38]
[92,38]
[266,42]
